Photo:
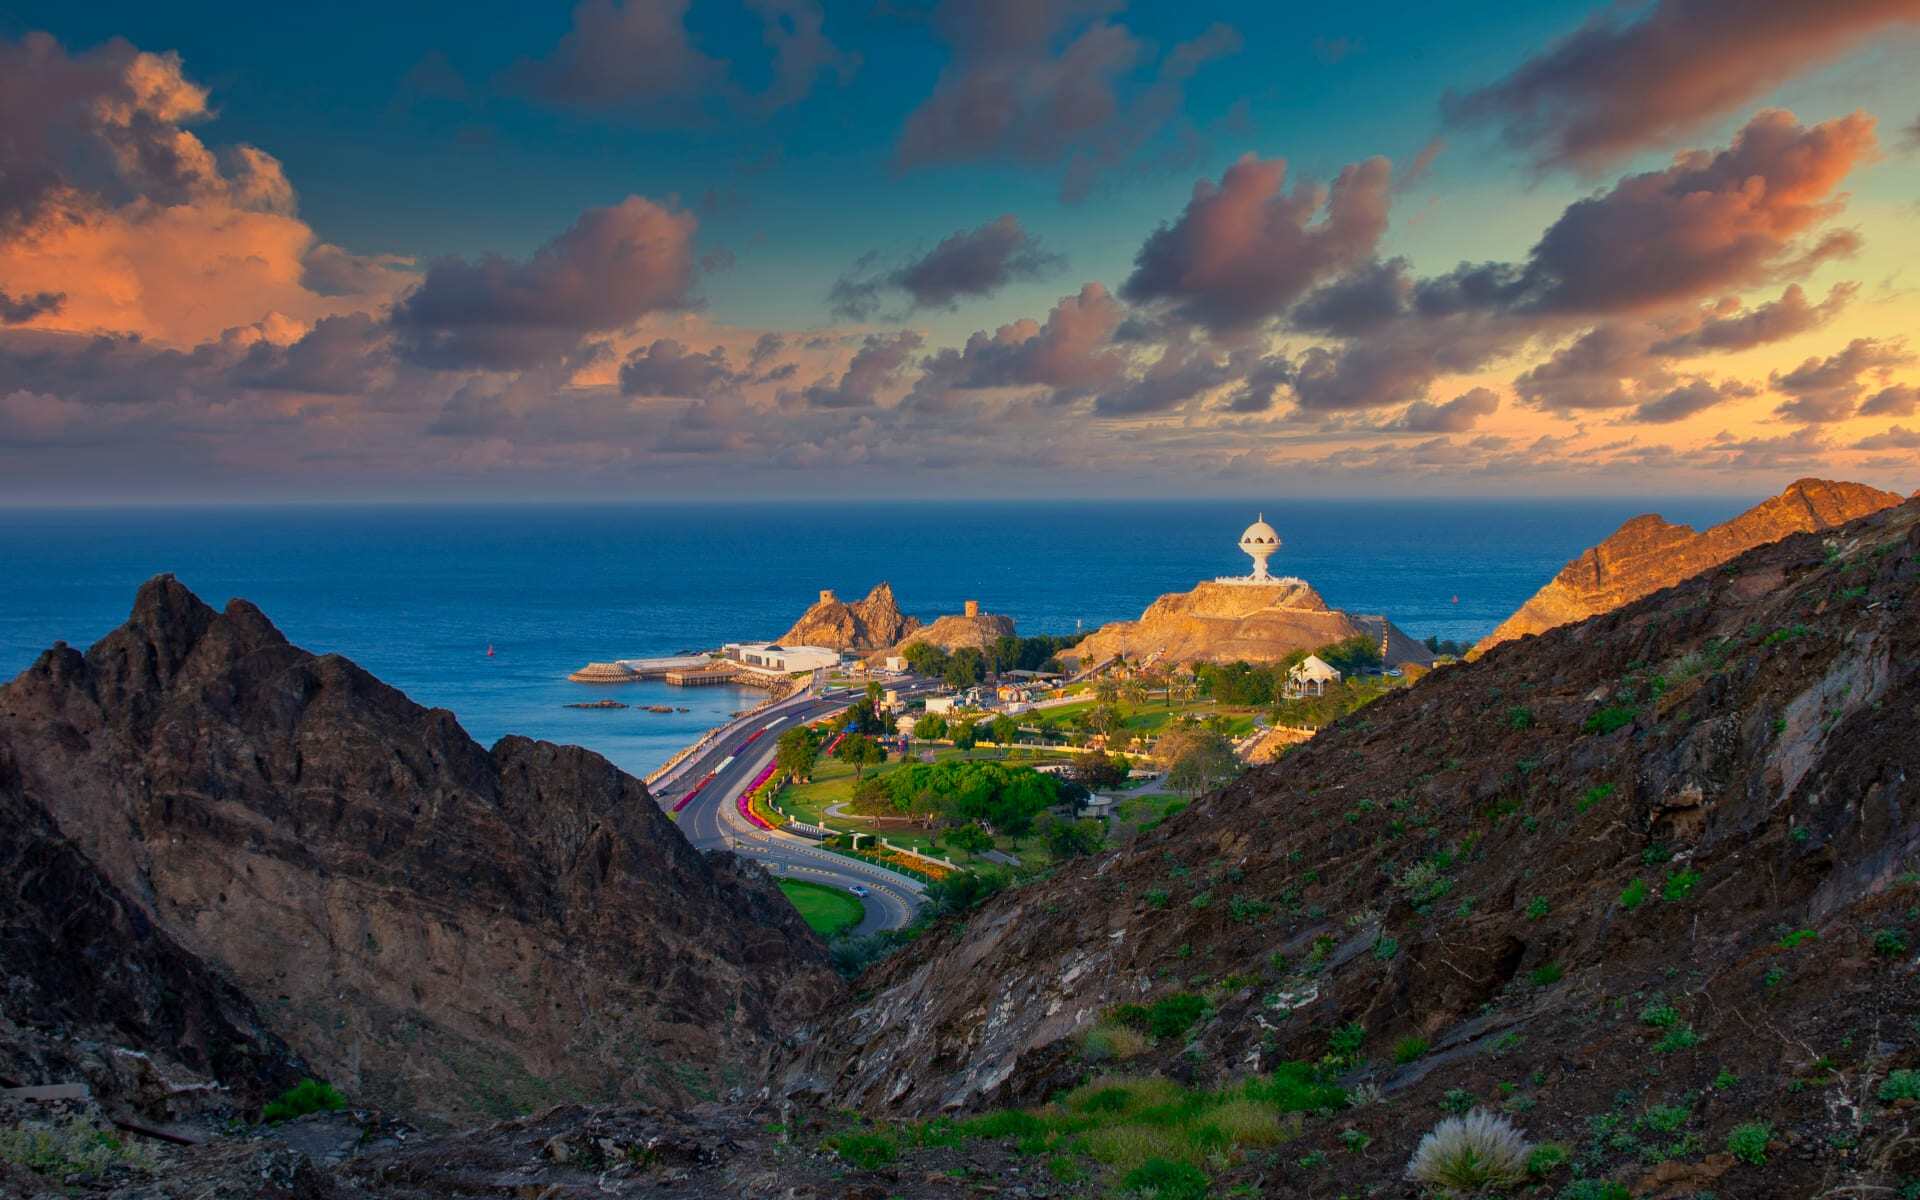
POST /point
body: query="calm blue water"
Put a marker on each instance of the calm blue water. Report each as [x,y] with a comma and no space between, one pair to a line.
[416,594]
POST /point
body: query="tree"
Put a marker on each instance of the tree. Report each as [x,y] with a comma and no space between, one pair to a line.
[1069,839]
[1107,719]
[1005,729]
[963,735]
[1197,760]
[969,837]
[930,727]
[874,693]
[925,658]
[1004,653]
[1106,691]
[1357,653]
[796,753]
[1093,769]
[872,795]
[859,751]
[965,667]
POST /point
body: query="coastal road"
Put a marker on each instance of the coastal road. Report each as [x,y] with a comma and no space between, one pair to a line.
[712,820]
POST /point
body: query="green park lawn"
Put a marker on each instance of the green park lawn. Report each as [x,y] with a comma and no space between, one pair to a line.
[832,784]
[828,911]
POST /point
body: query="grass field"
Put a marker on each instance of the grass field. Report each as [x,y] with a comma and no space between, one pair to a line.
[1150,717]
[832,784]
[827,910]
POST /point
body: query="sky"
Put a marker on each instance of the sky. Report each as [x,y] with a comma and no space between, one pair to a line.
[762,248]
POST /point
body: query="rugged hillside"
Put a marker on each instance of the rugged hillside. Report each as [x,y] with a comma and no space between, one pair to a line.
[1646,882]
[91,992]
[1649,553]
[443,930]
[1233,622]
[870,624]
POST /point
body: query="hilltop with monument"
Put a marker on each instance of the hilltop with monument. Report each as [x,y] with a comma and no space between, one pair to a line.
[1255,618]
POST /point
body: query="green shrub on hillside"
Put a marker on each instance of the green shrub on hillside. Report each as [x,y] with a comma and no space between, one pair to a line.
[307,1096]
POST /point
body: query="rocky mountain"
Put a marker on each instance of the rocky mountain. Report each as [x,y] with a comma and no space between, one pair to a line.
[969,627]
[443,930]
[870,624]
[91,992]
[1236,622]
[1646,885]
[1649,553]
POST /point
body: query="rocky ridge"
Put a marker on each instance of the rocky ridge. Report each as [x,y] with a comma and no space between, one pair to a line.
[445,931]
[1236,622]
[873,623]
[1648,553]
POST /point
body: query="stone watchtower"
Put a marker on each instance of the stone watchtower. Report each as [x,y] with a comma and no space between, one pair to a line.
[827,596]
[971,608]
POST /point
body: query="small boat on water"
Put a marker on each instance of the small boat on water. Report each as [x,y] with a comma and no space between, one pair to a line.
[489,649]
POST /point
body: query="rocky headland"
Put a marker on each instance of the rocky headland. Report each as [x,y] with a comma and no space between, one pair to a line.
[446,931]
[873,623]
[1241,622]
[1649,553]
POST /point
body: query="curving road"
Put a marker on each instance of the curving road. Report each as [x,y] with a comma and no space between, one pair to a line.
[712,820]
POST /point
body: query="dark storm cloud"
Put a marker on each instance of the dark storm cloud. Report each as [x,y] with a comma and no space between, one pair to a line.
[636,57]
[1822,390]
[612,267]
[879,362]
[339,356]
[1900,400]
[1689,399]
[667,368]
[1629,79]
[1245,249]
[1734,330]
[1009,94]
[18,310]
[1457,415]
[970,264]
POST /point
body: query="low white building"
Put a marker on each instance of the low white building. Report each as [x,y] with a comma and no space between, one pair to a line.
[894,663]
[1310,677]
[783,660]
[941,704]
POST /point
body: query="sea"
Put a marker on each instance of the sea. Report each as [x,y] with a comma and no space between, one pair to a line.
[419,594]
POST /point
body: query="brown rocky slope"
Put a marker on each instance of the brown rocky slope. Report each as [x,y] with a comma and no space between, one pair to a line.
[1642,882]
[1649,553]
[1237,622]
[443,930]
[870,624]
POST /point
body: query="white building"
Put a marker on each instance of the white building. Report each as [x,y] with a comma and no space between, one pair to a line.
[782,660]
[894,663]
[941,704]
[1310,677]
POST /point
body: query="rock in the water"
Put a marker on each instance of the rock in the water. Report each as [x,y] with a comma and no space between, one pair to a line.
[1649,553]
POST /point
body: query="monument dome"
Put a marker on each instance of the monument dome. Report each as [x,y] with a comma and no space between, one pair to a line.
[1260,541]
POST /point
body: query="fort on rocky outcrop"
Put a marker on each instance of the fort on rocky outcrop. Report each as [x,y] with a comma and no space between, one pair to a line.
[874,623]
[1649,553]
[969,627]
[1253,618]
